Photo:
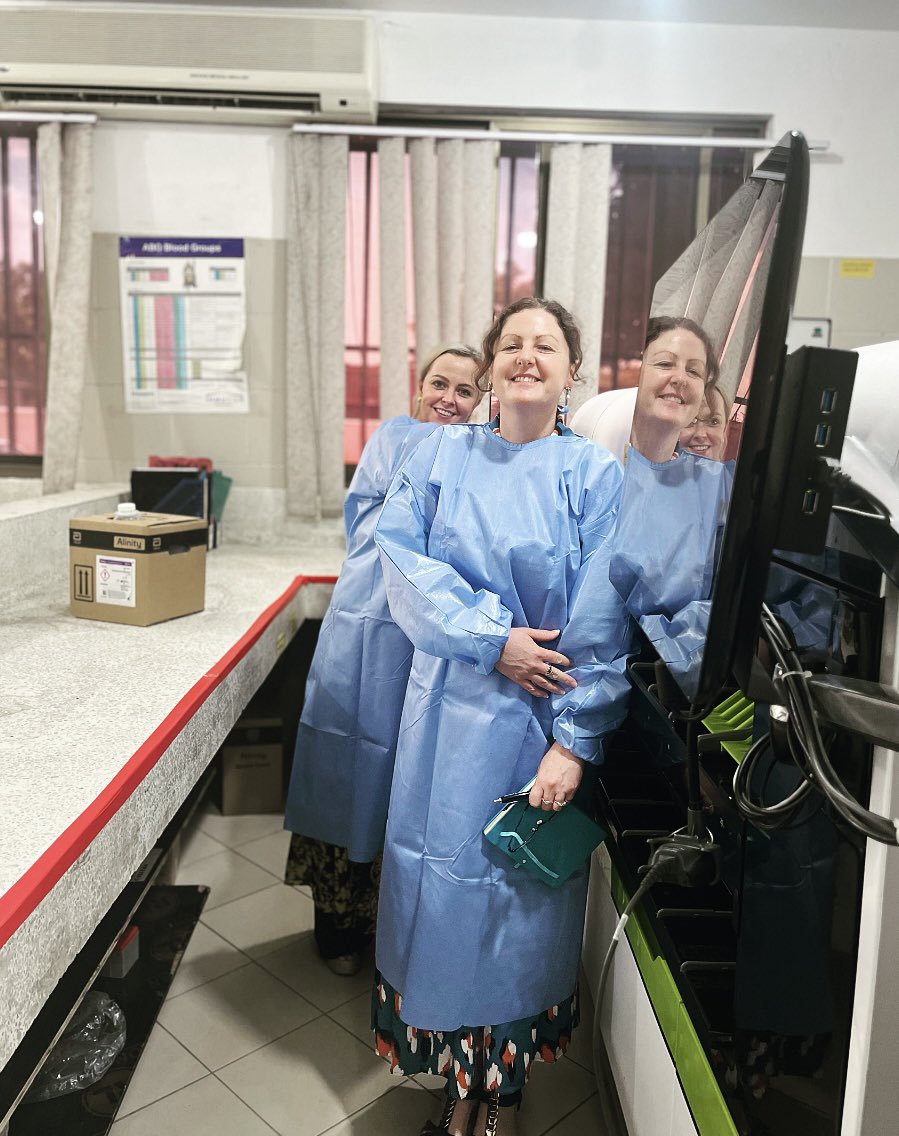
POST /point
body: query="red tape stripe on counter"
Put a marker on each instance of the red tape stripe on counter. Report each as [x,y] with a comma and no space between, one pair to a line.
[26,893]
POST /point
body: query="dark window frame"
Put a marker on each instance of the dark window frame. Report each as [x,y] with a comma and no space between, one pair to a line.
[12,462]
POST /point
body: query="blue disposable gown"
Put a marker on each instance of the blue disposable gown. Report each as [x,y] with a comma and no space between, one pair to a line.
[479,535]
[343,764]
[665,547]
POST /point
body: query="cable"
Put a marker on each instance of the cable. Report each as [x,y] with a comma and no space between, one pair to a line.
[653,876]
[784,813]
[808,751]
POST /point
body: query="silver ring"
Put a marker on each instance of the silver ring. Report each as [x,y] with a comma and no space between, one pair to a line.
[560,804]
[546,802]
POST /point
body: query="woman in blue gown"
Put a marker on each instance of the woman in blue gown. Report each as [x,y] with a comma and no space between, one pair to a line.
[494,541]
[343,762]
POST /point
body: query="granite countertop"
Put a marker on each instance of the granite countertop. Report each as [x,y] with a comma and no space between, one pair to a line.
[81,803]
[80,696]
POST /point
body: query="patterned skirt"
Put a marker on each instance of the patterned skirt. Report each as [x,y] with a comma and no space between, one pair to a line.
[345,894]
[494,1058]
[340,887]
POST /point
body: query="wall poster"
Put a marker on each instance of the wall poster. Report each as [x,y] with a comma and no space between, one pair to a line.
[183,306]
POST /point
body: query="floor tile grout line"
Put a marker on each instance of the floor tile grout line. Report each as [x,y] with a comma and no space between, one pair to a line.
[206,981]
[259,963]
[236,898]
[350,1115]
[580,1064]
[191,864]
[280,828]
[187,863]
[271,1041]
[306,998]
[206,1070]
[248,1106]
[157,1100]
[268,887]
[561,1119]
[237,852]
[346,1029]
[215,978]
[258,836]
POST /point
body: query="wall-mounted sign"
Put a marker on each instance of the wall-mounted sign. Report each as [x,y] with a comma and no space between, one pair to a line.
[860,269]
[183,323]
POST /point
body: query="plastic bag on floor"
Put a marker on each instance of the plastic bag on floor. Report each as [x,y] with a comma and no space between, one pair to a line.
[89,1045]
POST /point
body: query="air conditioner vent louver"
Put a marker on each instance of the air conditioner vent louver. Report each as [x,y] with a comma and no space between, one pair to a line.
[300,102]
[166,62]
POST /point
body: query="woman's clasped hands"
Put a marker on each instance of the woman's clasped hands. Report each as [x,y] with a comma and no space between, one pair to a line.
[534,668]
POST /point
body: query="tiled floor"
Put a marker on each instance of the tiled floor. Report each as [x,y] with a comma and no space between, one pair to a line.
[258,1036]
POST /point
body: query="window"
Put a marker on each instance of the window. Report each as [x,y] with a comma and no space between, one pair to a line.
[661,196]
[22,342]
[516,267]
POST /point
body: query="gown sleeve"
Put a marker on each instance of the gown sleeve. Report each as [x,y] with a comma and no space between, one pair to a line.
[383,454]
[597,637]
[436,608]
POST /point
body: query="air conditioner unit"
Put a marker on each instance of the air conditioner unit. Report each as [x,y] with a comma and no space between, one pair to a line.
[187,62]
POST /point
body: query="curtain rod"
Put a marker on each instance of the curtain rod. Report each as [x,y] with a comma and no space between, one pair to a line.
[539,136]
[41,116]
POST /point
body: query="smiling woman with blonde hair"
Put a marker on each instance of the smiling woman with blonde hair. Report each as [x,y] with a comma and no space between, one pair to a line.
[343,763]
[706,436]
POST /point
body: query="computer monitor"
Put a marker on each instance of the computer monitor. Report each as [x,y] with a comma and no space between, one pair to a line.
[754,510]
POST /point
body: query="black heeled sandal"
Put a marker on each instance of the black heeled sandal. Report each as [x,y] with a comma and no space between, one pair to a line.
[492,1100]
[446,1119]
[492,1114]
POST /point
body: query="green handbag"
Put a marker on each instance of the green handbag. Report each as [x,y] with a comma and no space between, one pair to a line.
[551,846]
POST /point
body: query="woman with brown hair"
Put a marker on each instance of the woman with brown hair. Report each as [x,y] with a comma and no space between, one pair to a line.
[495,542]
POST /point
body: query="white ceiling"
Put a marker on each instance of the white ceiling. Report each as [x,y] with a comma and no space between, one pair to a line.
[860,14]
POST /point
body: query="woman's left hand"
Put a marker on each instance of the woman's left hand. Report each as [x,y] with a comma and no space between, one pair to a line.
[558,776]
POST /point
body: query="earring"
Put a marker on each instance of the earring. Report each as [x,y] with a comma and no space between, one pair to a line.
[563,406]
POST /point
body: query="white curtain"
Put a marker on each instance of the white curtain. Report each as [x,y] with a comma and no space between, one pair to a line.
[316,377]
[454,186]
[394,366]
[65,170]
[577,227]
[720,280]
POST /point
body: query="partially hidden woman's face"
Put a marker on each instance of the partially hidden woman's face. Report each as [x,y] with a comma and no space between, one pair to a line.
[672,378]
[531,367]
[706,435]
[447,392]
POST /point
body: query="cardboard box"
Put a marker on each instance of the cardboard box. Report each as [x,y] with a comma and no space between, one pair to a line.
[138,571]
[253,768]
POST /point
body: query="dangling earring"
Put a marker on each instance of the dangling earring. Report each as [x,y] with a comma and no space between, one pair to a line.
[563,406]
